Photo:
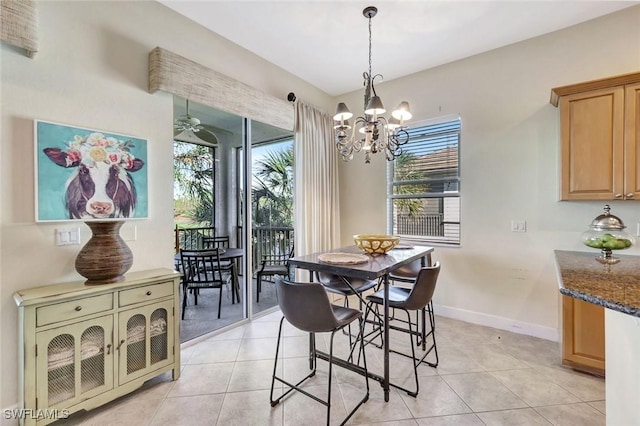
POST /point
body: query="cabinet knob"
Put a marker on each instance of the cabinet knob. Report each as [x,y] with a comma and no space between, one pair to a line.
[121,343]
[618,195]
[78,308]
[149,293]
[630,195]
[109,349]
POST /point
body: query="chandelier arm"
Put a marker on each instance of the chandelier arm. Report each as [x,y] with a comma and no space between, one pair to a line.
[373,88]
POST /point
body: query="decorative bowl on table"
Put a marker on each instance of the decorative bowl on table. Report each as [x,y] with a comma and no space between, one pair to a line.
[376,243]
[606,233]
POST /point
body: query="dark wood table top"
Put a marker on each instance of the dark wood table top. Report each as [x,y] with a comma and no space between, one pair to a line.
[377,266]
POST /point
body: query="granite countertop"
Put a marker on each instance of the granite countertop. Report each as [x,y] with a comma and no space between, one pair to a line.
[582,277]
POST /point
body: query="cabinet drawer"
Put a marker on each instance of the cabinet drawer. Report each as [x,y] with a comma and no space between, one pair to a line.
[148,292]
[73,309]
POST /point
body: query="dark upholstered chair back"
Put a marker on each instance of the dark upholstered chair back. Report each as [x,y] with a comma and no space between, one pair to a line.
[424,287]
[408,271]
[306,306]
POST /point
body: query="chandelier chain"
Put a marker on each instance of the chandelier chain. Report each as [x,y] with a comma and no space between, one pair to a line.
[370,75]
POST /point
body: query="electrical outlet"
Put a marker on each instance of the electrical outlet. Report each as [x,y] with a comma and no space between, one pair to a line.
[518,226]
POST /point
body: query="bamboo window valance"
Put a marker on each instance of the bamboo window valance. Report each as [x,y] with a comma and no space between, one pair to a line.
[182,77]
[19,24]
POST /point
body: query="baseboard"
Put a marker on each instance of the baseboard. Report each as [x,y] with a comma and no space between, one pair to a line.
[500,323]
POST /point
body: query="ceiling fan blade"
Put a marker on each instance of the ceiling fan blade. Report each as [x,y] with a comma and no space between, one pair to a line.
[203,138]
[214,129]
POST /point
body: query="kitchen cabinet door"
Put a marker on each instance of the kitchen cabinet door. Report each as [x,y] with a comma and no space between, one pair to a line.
[592,145]
[583,335]
[632,142]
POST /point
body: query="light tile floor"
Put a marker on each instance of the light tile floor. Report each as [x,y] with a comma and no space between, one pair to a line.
[485,377]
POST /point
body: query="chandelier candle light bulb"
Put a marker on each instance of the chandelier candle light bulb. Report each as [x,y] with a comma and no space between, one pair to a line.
[379,134]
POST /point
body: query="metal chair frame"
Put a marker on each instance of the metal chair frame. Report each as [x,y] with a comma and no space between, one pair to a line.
[309,295]
[222,242]
[273,265]
[201,269]
[424,286]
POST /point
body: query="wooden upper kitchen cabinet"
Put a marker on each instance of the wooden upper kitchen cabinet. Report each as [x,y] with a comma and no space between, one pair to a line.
[583,336]
[600,138]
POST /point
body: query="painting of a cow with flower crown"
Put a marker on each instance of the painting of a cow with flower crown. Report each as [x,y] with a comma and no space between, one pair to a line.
[85,174]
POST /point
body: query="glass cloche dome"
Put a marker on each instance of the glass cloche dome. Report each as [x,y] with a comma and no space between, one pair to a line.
[606,233]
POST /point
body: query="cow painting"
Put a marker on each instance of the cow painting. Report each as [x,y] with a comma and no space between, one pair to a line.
[101,186]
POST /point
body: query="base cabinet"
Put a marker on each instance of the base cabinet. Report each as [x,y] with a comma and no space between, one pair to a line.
[583,344]
[83,346]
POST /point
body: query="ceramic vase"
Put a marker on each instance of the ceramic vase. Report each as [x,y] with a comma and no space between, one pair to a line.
[106,257]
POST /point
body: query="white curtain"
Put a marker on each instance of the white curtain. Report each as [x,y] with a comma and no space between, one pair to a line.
[316,194]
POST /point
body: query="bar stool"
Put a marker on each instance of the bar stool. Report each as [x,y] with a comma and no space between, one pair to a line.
[306,306]
[408,274]
[415,298]
[346,286]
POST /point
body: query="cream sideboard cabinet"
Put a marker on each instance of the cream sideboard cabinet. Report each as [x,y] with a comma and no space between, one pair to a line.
[600,138]
[83,346]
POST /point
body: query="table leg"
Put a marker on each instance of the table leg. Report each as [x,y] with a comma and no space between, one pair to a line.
[235,284]
[385,381]
[312,351]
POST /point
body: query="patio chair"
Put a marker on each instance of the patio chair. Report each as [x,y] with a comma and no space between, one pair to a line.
[272,265]
[222,242]
[201,270]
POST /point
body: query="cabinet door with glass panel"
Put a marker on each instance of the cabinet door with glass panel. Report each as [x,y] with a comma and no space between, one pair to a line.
[145,343]
[74,362]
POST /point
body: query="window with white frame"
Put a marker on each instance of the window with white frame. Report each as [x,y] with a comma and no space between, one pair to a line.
[423,184]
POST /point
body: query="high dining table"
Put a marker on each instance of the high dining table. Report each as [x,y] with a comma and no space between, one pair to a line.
[378,266]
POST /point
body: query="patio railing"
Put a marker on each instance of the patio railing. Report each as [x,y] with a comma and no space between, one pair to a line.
[270,240]
[191,238]
[265,240]
[424,224]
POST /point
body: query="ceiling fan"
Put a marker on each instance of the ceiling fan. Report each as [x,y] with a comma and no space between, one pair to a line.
[189,129]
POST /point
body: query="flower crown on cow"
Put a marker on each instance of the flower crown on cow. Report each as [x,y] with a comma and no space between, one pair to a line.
[97,148]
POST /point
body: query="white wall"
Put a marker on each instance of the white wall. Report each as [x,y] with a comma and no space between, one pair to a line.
[509,169]
[91,71]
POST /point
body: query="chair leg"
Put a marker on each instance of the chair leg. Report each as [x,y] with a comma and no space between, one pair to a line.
[291,386]
[359,337]
[333,333]
[185,291]
[275,366]
[236,281]
[413,356]
[219,302]
[258,286]
[377,325]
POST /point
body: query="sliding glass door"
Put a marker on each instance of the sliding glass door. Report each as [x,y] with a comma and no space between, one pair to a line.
[217,156]
[271,210]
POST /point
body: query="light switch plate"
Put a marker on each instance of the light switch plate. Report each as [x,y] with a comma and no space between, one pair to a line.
[518,226]
[67,236]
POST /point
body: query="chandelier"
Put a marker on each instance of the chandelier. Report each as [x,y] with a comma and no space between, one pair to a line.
[371,132]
